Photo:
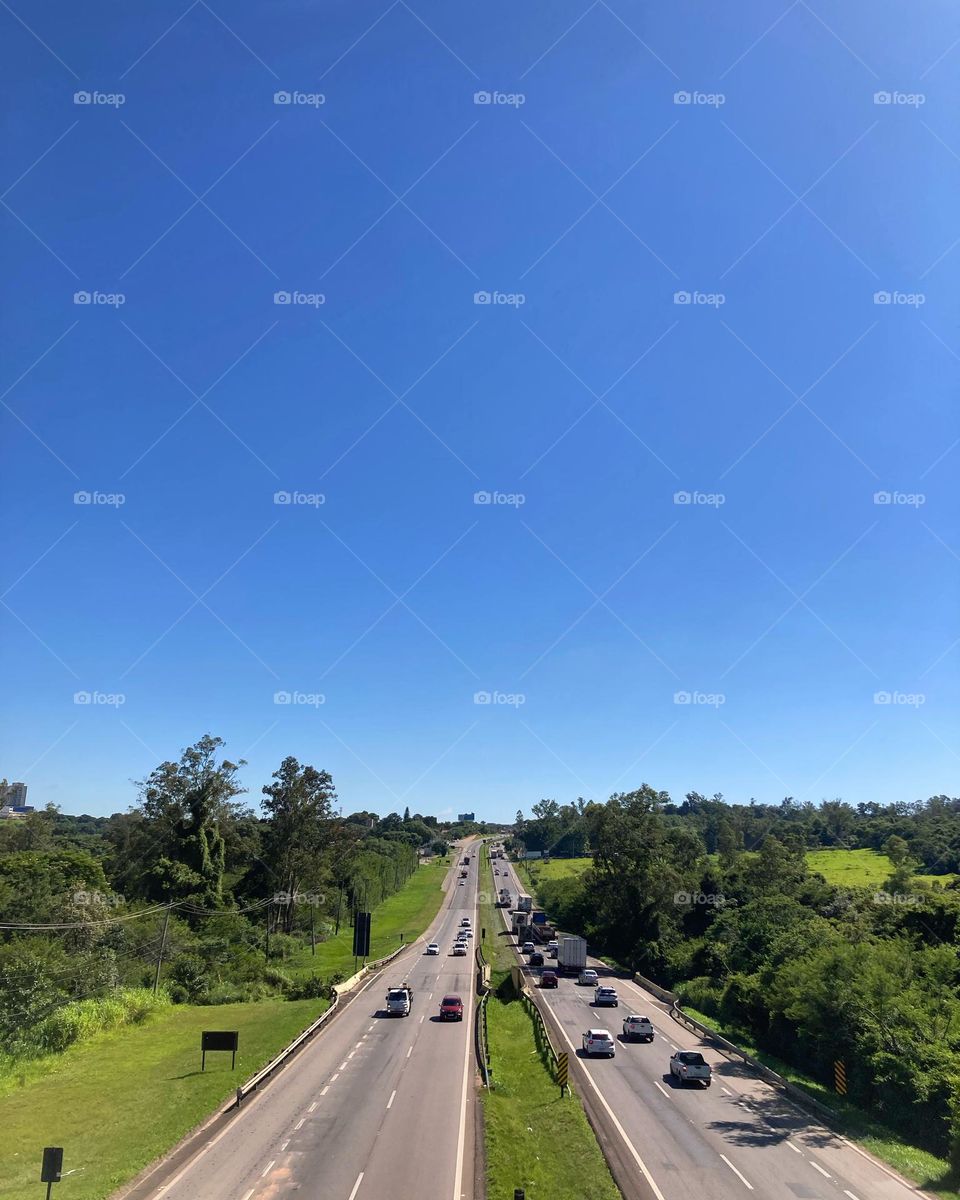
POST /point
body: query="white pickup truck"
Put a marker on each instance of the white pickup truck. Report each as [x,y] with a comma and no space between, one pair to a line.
[689,1066]
[399,1001]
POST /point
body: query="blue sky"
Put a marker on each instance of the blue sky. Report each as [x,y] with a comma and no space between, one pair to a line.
[628,158]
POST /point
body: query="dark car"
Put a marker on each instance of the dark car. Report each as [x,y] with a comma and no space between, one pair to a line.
[549,979]
[536,959]
[451,1008]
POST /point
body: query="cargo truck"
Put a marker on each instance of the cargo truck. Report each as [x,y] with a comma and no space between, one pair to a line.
[571,955]
[524,902]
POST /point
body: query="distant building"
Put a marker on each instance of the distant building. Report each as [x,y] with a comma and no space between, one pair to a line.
[10,813]
[462,817]
[14,795]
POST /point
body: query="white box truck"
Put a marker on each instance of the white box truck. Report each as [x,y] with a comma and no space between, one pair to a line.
[571,955]
[524,902]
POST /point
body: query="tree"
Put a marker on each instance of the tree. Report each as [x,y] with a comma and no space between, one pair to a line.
[184,806]
[298,806]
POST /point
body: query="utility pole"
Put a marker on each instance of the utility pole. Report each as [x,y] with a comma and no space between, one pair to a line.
[163,942]
[313,932]
[267,950]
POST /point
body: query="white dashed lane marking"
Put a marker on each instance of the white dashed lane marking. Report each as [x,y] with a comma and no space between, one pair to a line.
[266,1170]
[817,1167]
[661,1088]
[390,1101]
[356,1186]
[742,1179]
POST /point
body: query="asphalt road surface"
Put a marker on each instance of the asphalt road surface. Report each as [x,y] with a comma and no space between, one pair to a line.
[374,1106]
[735,1139]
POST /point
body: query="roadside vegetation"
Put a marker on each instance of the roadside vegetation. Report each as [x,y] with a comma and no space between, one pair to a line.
[721,904]
[125,1097]
[533,1139]
[196,896]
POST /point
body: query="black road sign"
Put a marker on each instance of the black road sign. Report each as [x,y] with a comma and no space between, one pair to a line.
[219,1039]
[52,1167]
[361,935]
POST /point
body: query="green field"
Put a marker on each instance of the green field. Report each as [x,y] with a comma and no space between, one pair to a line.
[533,1139]
[120,1100]
[125,1097]
[555,868]
[860,868]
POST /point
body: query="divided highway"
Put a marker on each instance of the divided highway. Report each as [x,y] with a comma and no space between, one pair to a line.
[374,1106]
[737,1138]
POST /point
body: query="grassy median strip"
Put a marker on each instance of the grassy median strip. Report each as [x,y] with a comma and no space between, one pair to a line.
[533,1139]
[123,1098]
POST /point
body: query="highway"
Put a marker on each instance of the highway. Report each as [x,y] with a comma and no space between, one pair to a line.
[737,1138]
[374,1106]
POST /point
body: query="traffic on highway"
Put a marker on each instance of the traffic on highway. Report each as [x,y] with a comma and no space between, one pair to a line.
[686,1122]
[380,1104]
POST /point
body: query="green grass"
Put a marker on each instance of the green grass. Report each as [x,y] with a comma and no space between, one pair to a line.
[121,1099]
[927,1170]
[408,911]
[556,868]
[118,1101]
[860,868]
[533,1139]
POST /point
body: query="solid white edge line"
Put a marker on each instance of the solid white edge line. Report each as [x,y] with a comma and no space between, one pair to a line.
[267,1168]
[356,1186]
[817,1167]
[392,1095]
[742,1179]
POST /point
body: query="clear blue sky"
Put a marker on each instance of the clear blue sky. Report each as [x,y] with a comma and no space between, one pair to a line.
[597,399]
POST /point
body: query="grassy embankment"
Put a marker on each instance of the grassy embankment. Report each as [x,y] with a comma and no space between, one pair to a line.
[125,1097]
[533,1139]
[846,868]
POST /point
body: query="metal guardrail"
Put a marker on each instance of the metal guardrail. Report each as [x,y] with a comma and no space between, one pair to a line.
[482,1040]
[541,1033]
[265,1072]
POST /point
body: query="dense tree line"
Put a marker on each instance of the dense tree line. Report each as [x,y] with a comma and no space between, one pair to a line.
[716,901]
[195,876]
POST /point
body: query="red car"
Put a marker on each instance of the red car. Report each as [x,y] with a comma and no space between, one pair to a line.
[451,1008]
[549,979]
